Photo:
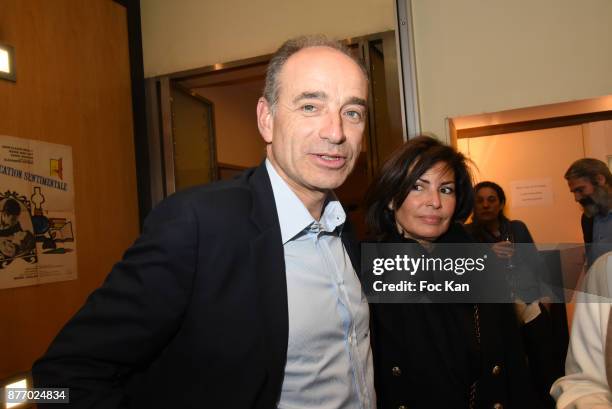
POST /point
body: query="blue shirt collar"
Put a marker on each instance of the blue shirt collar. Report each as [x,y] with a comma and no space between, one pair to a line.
[293,215]
[604,218]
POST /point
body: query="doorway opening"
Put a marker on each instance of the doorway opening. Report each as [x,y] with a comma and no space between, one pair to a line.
[537,143]
[527,152]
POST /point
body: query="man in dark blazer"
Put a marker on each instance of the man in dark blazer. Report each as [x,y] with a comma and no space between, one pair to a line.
[198,314]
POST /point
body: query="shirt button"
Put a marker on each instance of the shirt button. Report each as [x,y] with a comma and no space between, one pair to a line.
[396,371]
[498,406]
[496,370]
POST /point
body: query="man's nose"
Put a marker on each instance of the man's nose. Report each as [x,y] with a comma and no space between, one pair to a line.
[333,129]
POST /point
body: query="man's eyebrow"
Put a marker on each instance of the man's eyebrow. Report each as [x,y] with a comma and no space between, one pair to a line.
[357,101]
[321,95]
[310,95]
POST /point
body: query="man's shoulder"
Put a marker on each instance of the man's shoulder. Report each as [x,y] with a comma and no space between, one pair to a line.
[219,191]
[217,200]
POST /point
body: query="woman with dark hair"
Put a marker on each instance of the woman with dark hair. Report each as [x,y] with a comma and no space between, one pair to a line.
[438,355]
[490,225]
[511,241]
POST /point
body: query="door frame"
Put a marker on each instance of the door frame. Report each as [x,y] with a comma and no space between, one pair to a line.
[159,114]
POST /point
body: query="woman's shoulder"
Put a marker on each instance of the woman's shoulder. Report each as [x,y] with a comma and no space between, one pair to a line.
[457,233]
[520,231]
[518,223]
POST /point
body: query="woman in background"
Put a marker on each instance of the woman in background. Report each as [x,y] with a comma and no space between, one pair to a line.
[490,225]
[438,355]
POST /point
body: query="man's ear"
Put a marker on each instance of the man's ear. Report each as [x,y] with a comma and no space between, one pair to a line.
[265,121]
[600,179]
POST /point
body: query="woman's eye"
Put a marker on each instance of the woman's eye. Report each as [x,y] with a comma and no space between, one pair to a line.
[447,190]
[418,188]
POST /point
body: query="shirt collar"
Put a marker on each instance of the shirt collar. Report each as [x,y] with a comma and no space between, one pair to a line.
[603,218]
[293,215]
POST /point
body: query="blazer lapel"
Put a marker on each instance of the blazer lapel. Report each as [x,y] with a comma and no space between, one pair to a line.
[269,264]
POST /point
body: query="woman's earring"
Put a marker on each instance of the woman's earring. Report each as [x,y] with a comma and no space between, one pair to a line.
[400,229]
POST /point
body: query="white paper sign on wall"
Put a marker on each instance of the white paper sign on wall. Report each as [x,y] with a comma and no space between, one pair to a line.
[533,192]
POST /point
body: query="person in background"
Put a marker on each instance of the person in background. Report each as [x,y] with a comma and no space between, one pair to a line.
[587,383]
[14,241]
[512,242]
[19,243]
[9,218]
[438,355]
[590,181]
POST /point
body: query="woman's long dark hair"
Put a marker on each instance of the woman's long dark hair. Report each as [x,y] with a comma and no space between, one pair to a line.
[399,174]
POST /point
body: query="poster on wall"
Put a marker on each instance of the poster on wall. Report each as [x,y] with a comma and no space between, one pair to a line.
[37,223]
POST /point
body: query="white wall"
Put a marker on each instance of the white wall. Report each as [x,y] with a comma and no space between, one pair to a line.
[598,140]
[473,56]
[476,56]
[184,34]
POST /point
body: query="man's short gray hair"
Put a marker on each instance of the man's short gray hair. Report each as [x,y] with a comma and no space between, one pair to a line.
[589,168]
[292,46]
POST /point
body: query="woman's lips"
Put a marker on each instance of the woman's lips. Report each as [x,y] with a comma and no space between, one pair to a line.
[434,220]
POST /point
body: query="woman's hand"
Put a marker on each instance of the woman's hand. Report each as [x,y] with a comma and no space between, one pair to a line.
[503,249]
